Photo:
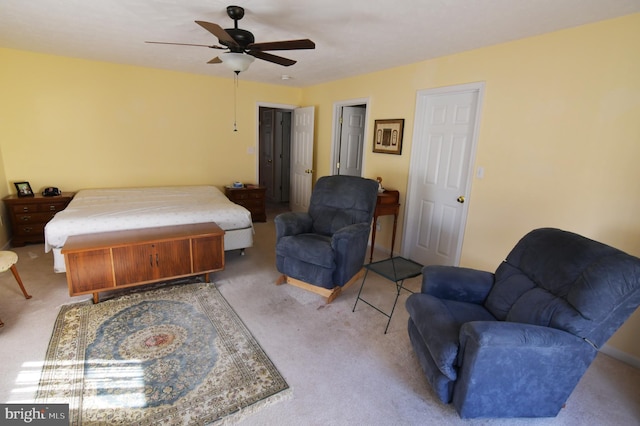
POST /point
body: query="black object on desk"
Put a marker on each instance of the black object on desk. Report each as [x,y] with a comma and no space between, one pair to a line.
[396,269]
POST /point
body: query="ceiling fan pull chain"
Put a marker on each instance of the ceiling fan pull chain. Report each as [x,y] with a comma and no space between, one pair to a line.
[235,101]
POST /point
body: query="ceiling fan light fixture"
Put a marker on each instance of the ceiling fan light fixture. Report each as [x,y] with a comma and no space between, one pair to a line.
[237,62]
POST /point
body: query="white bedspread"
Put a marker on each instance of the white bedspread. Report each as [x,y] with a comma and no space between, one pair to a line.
[102,210]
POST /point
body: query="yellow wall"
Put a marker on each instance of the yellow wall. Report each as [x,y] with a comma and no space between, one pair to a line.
[559,138]
[78,124]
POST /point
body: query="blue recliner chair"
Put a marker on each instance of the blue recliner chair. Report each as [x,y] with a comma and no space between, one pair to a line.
[516,343]
[323,250]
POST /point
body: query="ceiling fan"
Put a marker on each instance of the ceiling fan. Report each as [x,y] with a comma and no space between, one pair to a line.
[241,45]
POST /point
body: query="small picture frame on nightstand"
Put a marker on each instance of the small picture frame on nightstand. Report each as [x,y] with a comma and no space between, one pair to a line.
[24,189]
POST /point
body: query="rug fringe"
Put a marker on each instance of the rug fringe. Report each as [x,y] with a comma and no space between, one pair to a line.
[243,413]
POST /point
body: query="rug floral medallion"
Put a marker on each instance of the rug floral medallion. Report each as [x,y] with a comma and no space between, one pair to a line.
[172,356]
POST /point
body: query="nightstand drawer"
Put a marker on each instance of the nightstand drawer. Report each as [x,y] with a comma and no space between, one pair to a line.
[251,203]
[239,195]
[31,229]
[25,218]
[24,208]
[258,195]
[52,206]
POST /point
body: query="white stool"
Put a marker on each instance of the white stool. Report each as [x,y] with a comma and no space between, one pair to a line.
[8,260]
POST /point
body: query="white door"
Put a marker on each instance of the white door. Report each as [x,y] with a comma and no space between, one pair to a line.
[442,156]
[301,158]
[351,140]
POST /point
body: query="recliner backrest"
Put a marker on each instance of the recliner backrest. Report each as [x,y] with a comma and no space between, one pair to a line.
[339,201]
[559,279]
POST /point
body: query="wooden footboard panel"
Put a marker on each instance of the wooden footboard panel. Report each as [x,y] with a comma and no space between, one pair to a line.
[110,260]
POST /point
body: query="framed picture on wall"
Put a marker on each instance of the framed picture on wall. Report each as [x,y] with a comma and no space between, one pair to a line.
[24,189]
[387,136]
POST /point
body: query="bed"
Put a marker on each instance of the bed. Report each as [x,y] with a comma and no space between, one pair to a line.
[114,209]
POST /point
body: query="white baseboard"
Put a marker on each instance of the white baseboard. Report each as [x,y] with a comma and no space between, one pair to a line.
[621,356]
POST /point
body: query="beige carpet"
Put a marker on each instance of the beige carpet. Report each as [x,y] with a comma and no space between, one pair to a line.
[341,367]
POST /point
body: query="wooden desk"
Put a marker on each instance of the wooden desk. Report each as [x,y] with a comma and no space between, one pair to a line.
[388,203]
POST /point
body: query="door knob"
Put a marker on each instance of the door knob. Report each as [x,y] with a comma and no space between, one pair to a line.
[308,171]
[461,199]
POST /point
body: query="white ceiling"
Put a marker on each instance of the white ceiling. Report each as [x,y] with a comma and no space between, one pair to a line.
[352,36]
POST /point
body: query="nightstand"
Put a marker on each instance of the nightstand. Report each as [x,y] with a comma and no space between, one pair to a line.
[251,197]
[29,215]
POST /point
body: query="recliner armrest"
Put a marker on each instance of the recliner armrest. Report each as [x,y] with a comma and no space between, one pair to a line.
[348,232]
[350,247]
[292,223]
[509,369]
[455,283]
[517,336]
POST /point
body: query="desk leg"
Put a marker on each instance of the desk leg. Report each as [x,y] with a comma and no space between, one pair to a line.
[393,235]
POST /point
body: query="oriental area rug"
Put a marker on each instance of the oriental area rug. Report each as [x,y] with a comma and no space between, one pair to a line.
[172,356]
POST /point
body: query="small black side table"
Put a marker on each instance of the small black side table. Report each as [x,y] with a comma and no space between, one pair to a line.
[396,269]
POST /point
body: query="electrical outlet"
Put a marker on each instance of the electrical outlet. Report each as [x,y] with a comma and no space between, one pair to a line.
[378,227]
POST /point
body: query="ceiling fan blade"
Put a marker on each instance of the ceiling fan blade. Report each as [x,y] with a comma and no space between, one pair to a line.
[186,44]
[284,45]
[219,32]
[215,60]
[271,58]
